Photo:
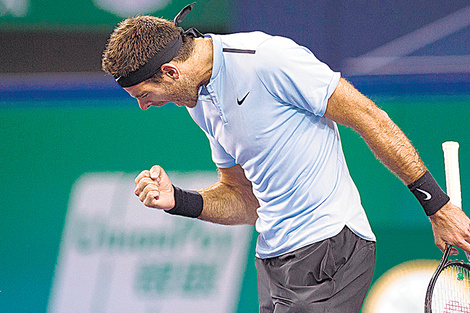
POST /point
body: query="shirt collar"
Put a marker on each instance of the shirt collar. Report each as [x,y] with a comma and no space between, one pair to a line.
[216,56]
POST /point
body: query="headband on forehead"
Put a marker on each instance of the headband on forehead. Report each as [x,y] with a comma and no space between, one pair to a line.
[163,56]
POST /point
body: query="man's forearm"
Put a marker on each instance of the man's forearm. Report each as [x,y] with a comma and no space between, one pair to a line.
[225,204]
[391,146]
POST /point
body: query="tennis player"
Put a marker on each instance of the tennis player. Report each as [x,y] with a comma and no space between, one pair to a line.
[269,108]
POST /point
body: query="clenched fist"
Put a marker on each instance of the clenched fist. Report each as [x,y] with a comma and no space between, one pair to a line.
[154,189]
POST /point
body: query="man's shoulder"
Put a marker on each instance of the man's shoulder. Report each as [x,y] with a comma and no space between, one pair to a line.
[243,41]
[252,35]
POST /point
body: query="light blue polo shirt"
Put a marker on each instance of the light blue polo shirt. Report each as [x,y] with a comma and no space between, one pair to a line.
[263,109]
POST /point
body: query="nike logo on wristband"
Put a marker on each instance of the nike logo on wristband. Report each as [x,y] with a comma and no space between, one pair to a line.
[427,194]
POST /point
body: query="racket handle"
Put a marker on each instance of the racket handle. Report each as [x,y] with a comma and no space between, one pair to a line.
[451,162]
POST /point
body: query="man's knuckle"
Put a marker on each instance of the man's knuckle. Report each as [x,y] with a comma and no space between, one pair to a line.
[150,188]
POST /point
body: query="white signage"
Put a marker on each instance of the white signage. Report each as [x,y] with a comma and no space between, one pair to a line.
[126,8]
[17,8]
[116,255]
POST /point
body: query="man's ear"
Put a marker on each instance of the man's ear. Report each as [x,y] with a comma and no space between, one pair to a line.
[170,70]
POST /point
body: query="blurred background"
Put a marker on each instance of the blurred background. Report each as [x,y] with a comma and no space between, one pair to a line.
[70,139]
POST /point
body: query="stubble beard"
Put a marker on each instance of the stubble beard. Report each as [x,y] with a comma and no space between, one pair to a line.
[184,93]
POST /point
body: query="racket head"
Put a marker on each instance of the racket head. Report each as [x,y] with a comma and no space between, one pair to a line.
[449,290]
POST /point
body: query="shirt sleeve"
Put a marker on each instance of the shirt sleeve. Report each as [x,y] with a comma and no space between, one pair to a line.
[293,75]
[219,156]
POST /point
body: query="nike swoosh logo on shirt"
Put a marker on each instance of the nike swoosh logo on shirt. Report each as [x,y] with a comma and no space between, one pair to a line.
[427,194]
[240,102]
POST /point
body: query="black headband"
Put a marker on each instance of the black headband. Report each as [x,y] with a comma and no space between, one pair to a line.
[153,64]
[163,56]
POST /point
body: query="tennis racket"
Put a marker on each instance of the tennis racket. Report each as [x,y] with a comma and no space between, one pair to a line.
[449,288]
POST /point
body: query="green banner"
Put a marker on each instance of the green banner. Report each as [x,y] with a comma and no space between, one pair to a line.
[209,15]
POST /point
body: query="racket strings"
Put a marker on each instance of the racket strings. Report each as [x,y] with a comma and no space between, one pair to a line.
[452,291]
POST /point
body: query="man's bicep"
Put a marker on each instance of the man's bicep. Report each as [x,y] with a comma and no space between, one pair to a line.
[347,106]
[234,176]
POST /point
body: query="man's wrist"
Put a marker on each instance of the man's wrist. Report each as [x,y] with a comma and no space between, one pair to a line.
[187,203]
[431,197]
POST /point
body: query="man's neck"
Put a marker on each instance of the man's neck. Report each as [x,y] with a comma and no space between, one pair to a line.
[201,60]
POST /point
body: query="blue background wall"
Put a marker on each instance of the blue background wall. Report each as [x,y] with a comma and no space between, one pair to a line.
[337,30]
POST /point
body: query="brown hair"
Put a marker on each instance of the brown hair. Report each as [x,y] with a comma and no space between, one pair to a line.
[136,40]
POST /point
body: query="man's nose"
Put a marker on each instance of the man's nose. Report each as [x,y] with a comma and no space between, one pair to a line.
[144,105]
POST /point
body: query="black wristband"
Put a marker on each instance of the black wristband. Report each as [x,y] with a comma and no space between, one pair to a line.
[429,194]
[187,203]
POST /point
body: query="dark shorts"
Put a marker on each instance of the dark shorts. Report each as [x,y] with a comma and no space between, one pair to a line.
[328,276]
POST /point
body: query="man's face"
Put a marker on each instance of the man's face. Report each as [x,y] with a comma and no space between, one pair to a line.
[182,91]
